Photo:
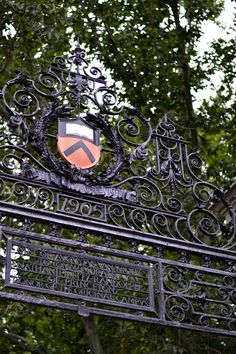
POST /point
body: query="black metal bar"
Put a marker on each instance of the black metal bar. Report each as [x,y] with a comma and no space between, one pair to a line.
[76,222]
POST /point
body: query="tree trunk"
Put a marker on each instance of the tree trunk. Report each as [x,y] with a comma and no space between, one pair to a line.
[186,72]
[91,333]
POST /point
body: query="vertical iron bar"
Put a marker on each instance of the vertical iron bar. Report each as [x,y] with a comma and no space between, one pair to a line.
[161,299]
[8,263]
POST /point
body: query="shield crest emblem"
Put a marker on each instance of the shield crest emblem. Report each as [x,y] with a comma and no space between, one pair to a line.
[78,143]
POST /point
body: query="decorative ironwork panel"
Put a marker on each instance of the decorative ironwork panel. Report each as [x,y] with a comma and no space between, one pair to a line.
[101,272]
[62,273]
[103,213]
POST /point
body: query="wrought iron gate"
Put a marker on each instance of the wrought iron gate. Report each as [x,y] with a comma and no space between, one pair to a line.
[137,235]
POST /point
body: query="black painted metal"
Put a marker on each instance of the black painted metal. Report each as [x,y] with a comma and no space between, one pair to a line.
[138,236]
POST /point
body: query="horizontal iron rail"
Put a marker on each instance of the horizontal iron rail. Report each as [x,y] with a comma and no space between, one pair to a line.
[113,252]
[91,225]
[95,311]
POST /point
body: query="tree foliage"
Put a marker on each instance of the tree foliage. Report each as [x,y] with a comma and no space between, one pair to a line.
[150,49]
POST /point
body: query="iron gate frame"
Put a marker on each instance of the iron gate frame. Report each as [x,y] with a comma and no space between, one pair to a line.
[129,215]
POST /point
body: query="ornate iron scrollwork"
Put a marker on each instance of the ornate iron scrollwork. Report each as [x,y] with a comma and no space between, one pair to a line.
[139,232]
[149,168]
[70,88]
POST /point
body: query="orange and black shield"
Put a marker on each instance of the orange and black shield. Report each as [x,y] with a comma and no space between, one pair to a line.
[78,143]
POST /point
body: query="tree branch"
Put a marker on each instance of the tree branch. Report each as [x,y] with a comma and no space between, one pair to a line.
[19,341]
